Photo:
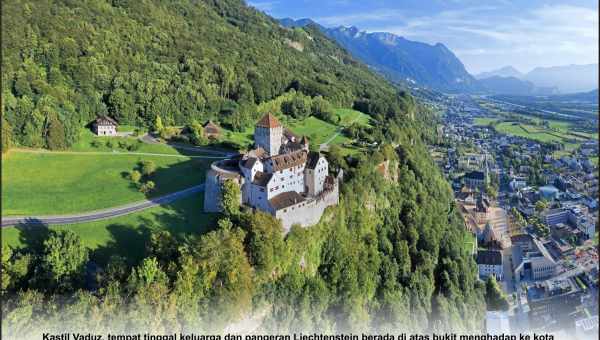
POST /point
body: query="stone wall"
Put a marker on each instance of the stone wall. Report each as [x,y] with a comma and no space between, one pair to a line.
[215,177]
[310,211]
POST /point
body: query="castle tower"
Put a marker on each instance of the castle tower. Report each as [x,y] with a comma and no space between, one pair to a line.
[268,134]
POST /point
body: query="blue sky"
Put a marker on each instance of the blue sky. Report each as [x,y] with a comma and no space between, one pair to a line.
[485,35]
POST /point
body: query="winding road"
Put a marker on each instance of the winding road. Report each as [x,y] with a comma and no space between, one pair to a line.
[100,214]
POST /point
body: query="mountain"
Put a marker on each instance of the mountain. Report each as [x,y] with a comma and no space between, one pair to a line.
[506,71]
[507,85]
[400,59]
[568,79]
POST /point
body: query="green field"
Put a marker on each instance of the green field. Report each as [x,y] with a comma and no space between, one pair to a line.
[484,121]
[349,116]
[87,139]
[469,243]
[59,183]
[125,235]
[317,131]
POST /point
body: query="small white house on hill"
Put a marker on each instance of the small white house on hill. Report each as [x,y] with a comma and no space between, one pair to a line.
[105,126]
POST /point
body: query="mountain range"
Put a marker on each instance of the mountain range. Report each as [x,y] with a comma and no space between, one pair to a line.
[400,59]
[547,80]
[437,67]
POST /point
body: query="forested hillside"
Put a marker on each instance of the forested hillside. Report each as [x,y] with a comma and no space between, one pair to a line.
[389,257]
[66,62]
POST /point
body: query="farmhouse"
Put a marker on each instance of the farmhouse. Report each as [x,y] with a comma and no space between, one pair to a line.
[211,130]
[105,126]
[280,176]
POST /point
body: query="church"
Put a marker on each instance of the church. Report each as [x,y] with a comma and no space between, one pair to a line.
[280,176]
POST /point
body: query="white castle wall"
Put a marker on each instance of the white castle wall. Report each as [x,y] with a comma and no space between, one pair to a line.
[308,212]
[291,179]
[215,178]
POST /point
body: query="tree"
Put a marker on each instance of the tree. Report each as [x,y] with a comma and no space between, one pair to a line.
[147,167]
[230,198]
[158,125]
[6,135]
[494,297]
[266,248]
[147,187]
[56,139]
[541,205]
[64,259]
[135,176]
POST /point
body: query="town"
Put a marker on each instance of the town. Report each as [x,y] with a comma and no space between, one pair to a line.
[532,209]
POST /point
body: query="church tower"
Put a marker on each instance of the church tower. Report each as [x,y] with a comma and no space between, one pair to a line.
[268,134]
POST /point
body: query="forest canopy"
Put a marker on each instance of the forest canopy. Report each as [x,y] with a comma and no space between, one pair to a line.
[66,62]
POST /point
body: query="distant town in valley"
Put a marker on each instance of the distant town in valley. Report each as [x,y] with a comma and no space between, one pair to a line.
[526,181]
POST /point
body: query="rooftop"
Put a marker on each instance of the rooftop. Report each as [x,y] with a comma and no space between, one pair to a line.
[268,121]
[286,199]
[491,257]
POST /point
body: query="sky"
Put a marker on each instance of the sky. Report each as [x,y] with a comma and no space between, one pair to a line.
[485,35]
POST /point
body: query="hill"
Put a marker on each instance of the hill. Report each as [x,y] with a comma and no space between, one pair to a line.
[71,62]
[388,257]
[401,60]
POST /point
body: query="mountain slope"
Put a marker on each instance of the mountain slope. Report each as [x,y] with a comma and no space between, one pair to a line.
[391,254]
[136,60]
[402,60]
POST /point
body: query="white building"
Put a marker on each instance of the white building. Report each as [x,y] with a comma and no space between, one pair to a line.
[105,126]
[280,176]
[489,262]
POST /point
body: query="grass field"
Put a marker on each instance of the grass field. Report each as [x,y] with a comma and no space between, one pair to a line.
[317,131]
[87,139]
[484,121]
[349,116]
[55,183]
[469,243]
[125,235]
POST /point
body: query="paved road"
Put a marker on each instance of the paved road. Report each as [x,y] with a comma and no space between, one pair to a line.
[100,214]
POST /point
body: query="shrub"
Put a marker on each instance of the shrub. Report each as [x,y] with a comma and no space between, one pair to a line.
[148,168]
[147,187]
[135,176]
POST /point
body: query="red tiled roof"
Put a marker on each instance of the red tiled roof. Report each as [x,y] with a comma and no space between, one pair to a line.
[268,121]
[286,199]
[289,160]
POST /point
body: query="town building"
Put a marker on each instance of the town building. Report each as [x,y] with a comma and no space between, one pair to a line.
[280,176]
[552,302]
[489,263]
[531,259]
[475,180]
[105,126]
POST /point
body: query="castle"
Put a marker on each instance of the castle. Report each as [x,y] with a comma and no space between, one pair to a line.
[280,176]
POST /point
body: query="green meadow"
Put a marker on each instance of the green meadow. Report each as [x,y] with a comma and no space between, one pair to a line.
[60,183]
[125,235]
